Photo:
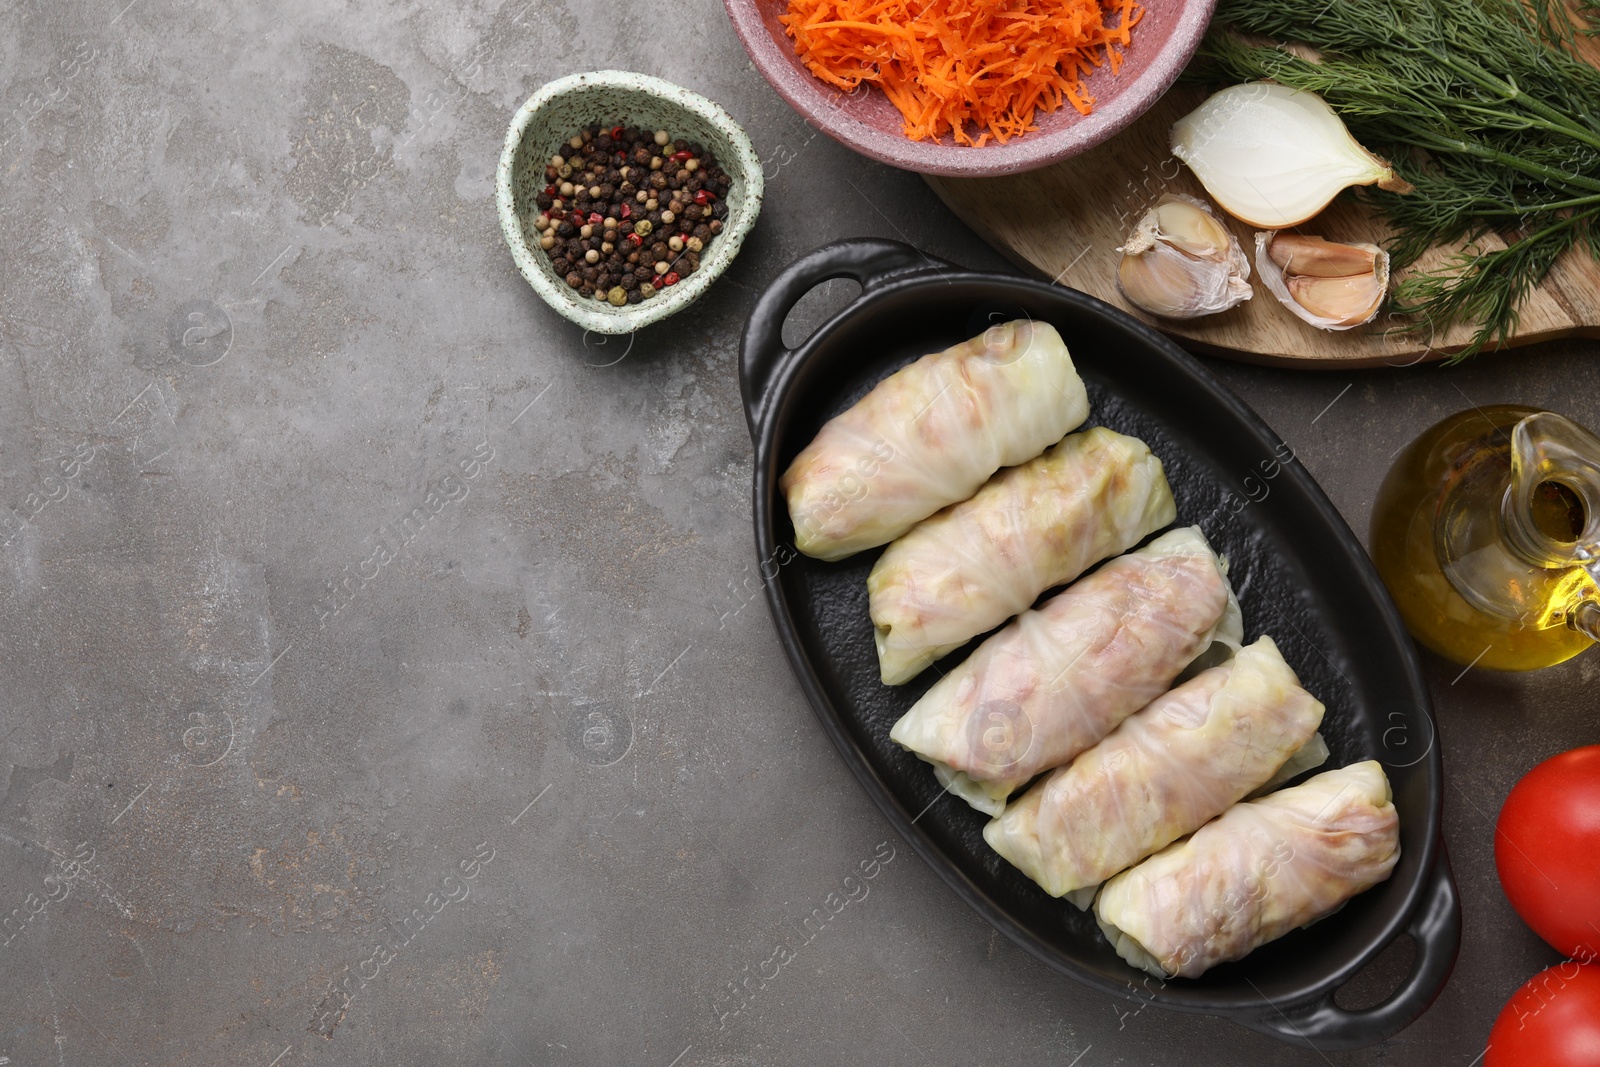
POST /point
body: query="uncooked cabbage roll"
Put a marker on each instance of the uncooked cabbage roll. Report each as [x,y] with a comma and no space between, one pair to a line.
[977,563]
[929,435]
[1166,771]
[1258,872]
[1061,677]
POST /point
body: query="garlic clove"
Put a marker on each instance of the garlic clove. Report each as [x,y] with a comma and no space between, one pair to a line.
[1347,301]
[1191,228]
[1274,156]
[1180,262]
[1164,281]
[1330,285]
[1315,257]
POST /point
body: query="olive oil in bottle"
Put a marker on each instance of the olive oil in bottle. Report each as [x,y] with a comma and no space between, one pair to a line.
[1487,533]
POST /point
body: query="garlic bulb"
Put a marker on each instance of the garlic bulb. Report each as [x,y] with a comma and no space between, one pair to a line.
[1332,286]
[1181,262]
[1274,156]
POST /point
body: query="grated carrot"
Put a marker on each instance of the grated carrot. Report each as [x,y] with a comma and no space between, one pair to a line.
[954,66]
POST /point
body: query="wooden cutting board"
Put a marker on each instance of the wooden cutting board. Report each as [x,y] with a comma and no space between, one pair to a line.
[1066,221]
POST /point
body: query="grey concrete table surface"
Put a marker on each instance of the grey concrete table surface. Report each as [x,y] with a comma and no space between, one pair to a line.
[532,783]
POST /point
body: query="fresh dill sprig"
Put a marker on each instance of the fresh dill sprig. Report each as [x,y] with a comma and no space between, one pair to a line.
[1483,105]
[1589,11]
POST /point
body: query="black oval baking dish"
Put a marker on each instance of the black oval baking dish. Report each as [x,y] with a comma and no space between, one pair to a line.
[1300,574]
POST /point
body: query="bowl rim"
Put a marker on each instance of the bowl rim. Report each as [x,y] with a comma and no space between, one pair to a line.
[814,100]
[609,320]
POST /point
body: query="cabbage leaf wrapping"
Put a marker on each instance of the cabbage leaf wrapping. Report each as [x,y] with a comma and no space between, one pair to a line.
[1062,676]
[1165,772]
[975,564]
[1261,870]
[930,435]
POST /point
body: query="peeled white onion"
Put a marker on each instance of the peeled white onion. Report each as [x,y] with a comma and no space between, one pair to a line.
[1274,156]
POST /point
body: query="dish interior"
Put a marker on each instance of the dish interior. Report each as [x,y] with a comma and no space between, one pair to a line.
[1295,580]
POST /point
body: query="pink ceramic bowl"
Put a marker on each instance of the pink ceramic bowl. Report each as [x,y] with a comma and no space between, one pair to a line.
[1162,43]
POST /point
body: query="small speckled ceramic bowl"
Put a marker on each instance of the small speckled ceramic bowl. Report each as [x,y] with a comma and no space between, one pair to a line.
[563,107]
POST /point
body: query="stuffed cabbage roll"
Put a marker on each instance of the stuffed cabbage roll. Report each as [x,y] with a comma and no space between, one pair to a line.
[929,435]
[1166,771]
[977,563]
[1061,677]
[1258,872]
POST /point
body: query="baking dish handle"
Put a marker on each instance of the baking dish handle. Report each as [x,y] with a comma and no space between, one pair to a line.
[869,261]
[1436,930]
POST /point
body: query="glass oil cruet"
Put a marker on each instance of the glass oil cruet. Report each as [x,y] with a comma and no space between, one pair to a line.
[1487,533]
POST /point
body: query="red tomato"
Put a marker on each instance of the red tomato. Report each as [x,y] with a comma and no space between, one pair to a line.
[1553,1021]
[1547,850]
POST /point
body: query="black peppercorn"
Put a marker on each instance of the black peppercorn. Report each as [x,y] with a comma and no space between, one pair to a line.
[608,172]
[635,296]
[586,292]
